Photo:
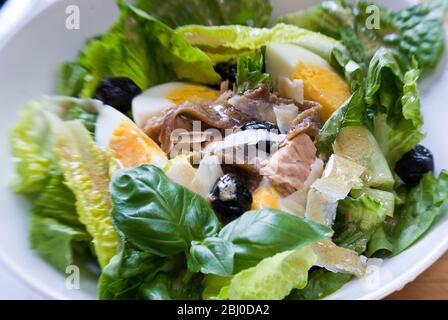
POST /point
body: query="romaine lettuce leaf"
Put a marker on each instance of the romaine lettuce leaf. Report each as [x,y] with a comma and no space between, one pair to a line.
[141,48]
[31,148]
[87,117]
[56,242]
[241,40]
[423,205]
[352,112]
[57,201]
[32,140]
[379,243]
[71,77]
[55,231]
[276,276]
[85,169]
[271,279]
[394,99]
[250,73]
[260,234]
[388,103]
[356,222]
[254,13]
[413,32]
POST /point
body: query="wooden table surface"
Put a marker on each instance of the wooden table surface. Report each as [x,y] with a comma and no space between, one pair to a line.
[432,284]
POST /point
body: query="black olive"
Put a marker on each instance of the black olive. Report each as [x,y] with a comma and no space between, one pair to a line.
[414,164]
[262,125]
[229,197]
[227,71]
[117,93]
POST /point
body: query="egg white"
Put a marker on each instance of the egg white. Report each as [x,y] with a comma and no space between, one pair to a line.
[282,59]
[108,120]
[153,102]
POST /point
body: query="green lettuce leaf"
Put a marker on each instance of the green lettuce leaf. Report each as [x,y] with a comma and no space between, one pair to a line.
[356,222]
[86,172]
[255,13]
[87,117]
[71,78]
[239,40]
[57,201]
[32,141]
[321,283]
[142,49]
[379,243]
[57,242]
[395,102]
[32,147]
[271,279]
[424,204]
[415,32]
[250,73]
[352,112]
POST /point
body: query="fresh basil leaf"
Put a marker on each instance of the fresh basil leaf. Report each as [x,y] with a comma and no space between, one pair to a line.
[423,206]
[213,255]
[127,271]
[321,283]
[255,13]
[158,215]
[260,234]
[172,287]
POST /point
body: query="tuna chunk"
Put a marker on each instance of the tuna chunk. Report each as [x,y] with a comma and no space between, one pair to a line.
[290,166]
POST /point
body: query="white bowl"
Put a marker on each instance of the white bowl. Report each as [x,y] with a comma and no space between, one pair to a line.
[28,62]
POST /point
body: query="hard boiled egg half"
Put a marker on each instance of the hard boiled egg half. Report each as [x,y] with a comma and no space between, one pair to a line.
[129,146]
[321,83]
[155,100]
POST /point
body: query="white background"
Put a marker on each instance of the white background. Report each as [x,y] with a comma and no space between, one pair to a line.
[10,14]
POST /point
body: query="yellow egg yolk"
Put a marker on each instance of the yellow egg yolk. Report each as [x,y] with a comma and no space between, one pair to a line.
[132,147]
[192,93]
[265,197]
[323,86]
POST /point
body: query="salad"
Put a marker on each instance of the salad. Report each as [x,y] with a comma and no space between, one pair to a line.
[202,150]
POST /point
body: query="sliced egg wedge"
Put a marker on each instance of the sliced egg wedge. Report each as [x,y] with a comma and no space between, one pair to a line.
[321,83]
[157,99]
[128,145]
